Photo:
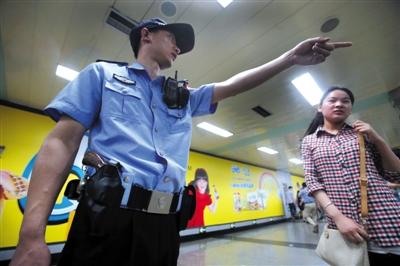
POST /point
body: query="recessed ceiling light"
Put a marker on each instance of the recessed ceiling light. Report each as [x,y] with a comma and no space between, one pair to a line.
[307,86]
[295,161]
[224,3]
[168,8]
[214,129]
[329,25]
[66,73]
[267,150]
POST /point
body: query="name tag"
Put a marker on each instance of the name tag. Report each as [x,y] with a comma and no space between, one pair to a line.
[124,80]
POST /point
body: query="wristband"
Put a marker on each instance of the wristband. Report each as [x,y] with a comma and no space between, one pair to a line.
[327,205]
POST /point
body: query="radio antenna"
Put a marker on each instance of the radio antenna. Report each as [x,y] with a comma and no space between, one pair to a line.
[176,74]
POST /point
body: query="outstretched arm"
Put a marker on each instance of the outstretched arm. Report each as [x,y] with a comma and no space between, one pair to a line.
[309,52]
[52,166]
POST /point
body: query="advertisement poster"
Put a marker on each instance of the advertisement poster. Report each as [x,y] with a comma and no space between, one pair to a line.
[227,191]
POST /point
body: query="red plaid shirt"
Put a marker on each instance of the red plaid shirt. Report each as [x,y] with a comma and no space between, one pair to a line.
[332,163]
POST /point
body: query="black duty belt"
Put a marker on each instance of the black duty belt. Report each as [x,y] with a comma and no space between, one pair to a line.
[152,201]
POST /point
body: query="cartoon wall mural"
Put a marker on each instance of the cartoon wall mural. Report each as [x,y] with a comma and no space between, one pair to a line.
[12,187]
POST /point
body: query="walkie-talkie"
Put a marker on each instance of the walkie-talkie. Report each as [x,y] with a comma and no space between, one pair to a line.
[175,94]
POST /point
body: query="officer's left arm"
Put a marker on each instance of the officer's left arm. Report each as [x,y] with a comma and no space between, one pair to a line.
[309,52]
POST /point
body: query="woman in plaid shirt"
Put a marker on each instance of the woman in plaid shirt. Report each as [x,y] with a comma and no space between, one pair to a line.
[330,152]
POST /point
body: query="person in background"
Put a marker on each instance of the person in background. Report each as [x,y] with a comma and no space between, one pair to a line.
[331,155]
[140,121]
[203,197]
[310,209]
[299,202]
[291,202]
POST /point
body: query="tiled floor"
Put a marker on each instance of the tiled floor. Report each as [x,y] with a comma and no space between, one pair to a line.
[277,244]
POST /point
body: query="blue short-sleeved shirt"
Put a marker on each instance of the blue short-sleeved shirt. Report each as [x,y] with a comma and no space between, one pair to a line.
[305,196]
[128,122]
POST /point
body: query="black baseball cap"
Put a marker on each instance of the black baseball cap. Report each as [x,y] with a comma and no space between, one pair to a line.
[184,33]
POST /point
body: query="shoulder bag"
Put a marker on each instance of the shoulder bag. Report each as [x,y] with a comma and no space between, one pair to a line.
[332,247]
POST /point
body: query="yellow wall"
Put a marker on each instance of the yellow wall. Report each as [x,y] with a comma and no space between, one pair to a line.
[22,133]
[259,190]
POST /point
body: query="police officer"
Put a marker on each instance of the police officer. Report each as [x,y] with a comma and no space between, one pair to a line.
[131,121]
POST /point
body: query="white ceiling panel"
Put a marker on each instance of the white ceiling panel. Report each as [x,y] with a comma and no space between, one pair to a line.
[50,23]
[135,10]
[84,31]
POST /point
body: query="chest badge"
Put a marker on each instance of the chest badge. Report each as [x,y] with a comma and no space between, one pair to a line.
[124,80]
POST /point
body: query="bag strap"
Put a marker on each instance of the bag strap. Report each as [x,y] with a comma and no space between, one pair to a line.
[363,178]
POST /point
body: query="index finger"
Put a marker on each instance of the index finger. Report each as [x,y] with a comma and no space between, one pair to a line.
[341,44]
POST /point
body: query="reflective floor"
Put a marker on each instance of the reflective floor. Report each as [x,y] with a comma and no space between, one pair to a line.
[289,243]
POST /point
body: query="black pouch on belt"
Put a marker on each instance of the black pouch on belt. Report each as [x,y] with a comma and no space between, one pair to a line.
[102,198]
[188,206]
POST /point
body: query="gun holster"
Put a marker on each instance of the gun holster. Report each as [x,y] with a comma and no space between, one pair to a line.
[71,190]
[102,198]
[188,206]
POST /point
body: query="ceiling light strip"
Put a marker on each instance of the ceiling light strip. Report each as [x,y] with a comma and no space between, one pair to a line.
[214,129]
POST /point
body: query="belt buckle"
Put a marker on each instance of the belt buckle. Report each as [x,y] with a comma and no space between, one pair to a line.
[160,202]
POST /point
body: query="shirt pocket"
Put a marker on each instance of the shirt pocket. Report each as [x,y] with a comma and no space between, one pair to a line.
[178,120]
[122,101]
[324,156]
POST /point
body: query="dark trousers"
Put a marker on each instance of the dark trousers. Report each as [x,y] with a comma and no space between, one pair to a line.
[376,259]
[137,238]
[292,208]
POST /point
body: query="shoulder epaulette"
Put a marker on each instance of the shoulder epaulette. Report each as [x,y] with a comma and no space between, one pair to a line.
[112,62]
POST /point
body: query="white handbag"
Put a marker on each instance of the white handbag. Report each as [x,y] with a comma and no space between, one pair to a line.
[332,247]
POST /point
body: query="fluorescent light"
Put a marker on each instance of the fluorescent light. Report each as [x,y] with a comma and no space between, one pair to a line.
[307,86]
[214,129]
[295,161]
[66,72]
[267,150]
[224,3]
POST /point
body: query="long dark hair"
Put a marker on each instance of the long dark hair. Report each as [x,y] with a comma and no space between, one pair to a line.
[319,118]
[201,173]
